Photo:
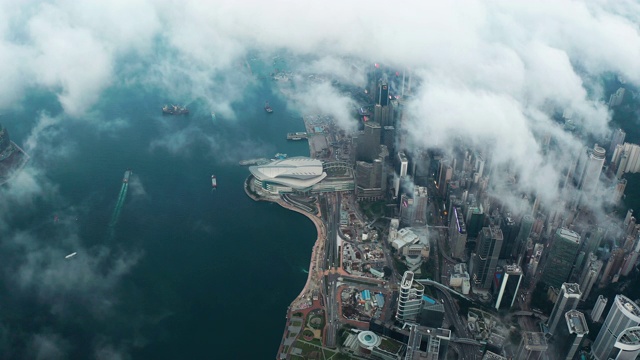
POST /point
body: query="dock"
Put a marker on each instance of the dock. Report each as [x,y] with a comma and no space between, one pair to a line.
[297,136]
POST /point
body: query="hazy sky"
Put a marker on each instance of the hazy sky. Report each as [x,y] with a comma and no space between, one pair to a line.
[491,74]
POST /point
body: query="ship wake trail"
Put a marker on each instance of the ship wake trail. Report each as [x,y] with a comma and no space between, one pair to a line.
[116,211]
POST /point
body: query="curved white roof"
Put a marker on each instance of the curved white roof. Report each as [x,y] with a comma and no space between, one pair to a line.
[368,339]
[296,172]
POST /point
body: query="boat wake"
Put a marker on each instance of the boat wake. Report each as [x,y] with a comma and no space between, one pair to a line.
[119,205]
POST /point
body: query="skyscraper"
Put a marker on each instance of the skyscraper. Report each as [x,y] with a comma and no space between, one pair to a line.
[577,328]
[590,172]
[590,275]
[509,233]
[526,224]
[457,233]
[509,285]
[532,346]
[410,299]
[612,267]
[616,139]
[623,315]
[561,256]
[598,308]
[445,172]
[567,300]
[616,98]
[368,145]
[486,256]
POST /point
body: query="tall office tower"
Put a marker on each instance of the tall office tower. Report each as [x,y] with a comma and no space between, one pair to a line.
[590,174]
[593,241]
[562,254]
[567,300]
[598,308]
[486,256]
[407,210]
[368,146]
[457,233]
[617,138]
[627,346]
[626,159]
[590,275]
[616,98]
[474,220]
[509,286]
[613,266]
[371,178]
[445,172]
[623,314]
[420,202]
[526,224]
[618,191]
[630,260]
[402,163]
[389,138]
[382,111]
[509,233]
[575,326]
[410,299]
[532,346]
[535,259]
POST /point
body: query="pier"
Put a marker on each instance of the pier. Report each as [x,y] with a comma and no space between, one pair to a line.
[297,136]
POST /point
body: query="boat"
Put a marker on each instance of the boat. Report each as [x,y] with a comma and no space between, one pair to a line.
[267,107]
[214,182]
[175,110]
[127,174]
[71,255]
[280,156]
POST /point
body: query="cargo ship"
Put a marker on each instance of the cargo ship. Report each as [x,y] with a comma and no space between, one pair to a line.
[214,182]
[127,174]
[175,110]
[267,107]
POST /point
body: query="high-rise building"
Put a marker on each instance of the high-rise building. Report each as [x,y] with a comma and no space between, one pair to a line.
[616,139]
[407,210]
[486,257]
[532,346]
[420,202]
[509,285]
[445,172]
[371,177]
[526,224]
[561,256]
[598,308]
[590,275]
[575,327]
[567,300]
[368,144]
[627,345]
[590,174]
[613,266]
[389,138]
[457,233]
[623,315]
[474,220]
[616,98]
[593,241]
[618,191]
[509,233]
[382,95]
[410,299]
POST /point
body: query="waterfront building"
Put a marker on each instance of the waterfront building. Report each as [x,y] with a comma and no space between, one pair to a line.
[567,300]
[410,298]
[368,142]
[624,314]
[532,346]
[598,308]
[486,257]
[509,286]
[561,257]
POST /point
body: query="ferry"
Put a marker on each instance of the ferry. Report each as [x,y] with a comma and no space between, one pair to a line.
[214,182]
[71,255]
[127,174]
[267,107]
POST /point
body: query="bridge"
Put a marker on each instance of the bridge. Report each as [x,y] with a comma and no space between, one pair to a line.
[443,287]
[467,341]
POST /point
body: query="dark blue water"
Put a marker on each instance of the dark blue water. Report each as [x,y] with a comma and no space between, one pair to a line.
[207,275]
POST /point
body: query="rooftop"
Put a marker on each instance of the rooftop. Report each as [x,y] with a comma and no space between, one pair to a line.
[630,337]
[534,341]
[572,289]
[628,306]
[513,269]
[576,323]
[568,235]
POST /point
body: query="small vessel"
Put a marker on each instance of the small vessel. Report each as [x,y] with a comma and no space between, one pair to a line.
[214,182]
[267,107]
[280,156]
[71,255]
[127,174]
[175,110]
